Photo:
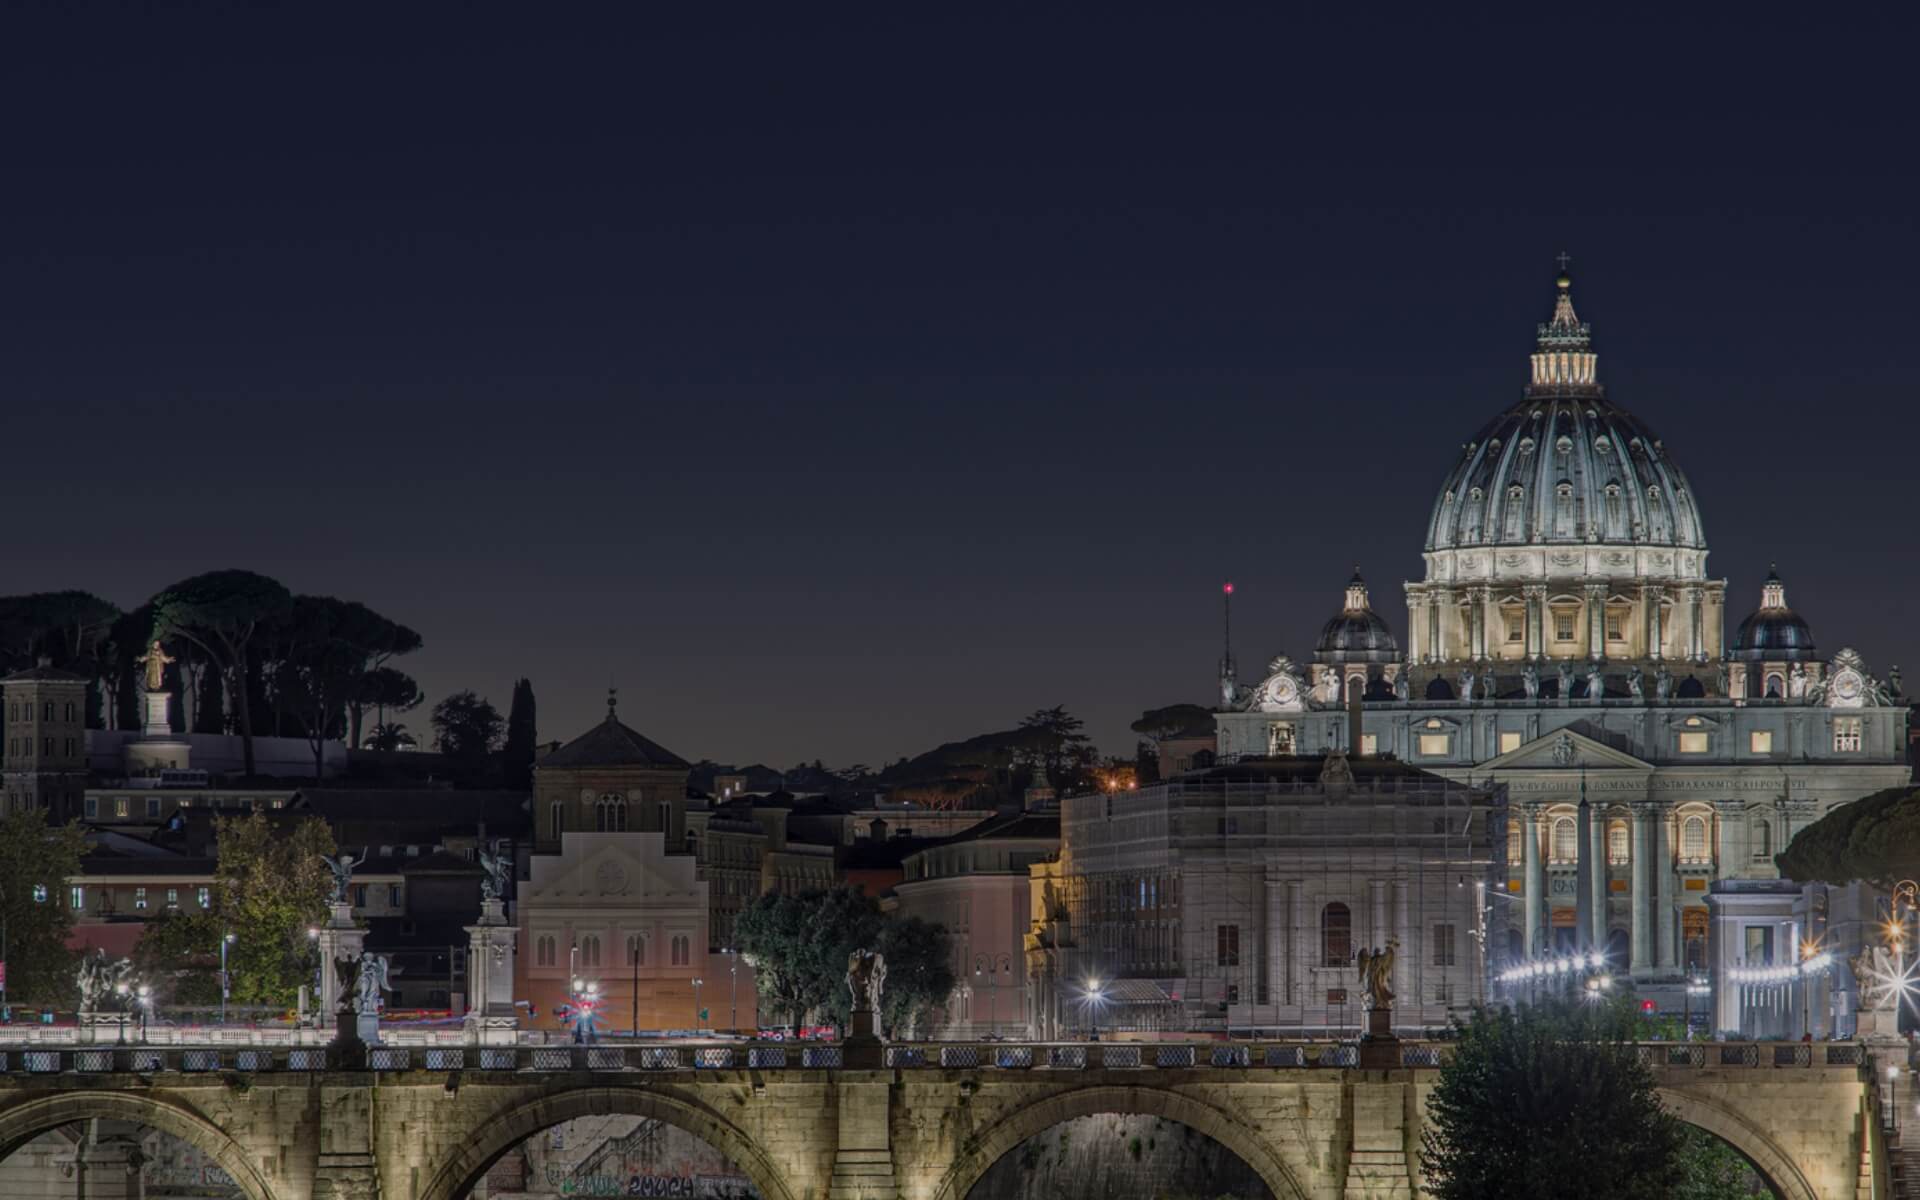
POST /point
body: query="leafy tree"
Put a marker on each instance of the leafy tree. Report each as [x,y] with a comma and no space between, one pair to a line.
[1876,839]
[325,645]
[1550,1099]
[1052,738]
[919,958]
[522,737]
[1159,724]
[466,726]
[798,945]
[271,886]
[385,690]
[210,704]
[40,968]
[220,612]
[179,955]
[1713,1170]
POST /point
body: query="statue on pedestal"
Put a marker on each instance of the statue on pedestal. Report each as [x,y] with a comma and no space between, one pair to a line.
[1663,682]
[1376,975]
[1566,679]
[1530,680]
[866,975]
[155,660]
[371,970]
[342,868]
[498,868]
[100,981]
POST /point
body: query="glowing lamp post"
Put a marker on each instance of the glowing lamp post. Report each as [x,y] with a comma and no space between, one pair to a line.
[1093,1009]
[226,981]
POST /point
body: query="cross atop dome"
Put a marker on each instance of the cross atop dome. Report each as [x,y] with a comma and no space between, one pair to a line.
[1565,358]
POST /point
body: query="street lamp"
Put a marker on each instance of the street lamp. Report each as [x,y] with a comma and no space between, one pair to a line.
[1093,1009]
[697,981]
[145,996]
[226,982]
[733,989]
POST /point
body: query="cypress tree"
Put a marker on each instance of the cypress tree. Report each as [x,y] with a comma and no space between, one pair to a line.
[517,757]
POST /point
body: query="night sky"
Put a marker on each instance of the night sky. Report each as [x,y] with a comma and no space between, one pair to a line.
[839,382]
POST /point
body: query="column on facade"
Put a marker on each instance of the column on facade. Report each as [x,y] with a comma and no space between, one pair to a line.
[1641,887]
[1668,935]
[1597,849]
[1696,625]
[1297,944]
[1477,623]
[1406,963]
[1536,595]
[1584,867]
[1596,621]
[1656,634]
[1534,899]
[1437,602]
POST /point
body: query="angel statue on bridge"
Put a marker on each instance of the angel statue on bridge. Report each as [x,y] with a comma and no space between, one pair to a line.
[1376,974]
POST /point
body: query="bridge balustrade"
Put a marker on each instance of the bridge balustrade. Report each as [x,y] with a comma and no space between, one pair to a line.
[962,1056]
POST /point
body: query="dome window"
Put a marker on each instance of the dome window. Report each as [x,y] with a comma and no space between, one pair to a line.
[1526,445]
[1564,445]
[1603,446]
[1475,494]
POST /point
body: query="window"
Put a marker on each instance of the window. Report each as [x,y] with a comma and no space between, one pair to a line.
[1759,946]
[636,951]
[153,806]
[1516,627]
[1436,744]
[1762,838]
[1693,840]
[1760,741]
[1693,743]
[77,898]
[1616,625]
[93,806]
[1509,741]
[119,802]
[39,893]
[1846,733]
[359,895]
[1619,853]
[173,897]
[1443,992]
[1776,687]
[1565,840]
[139,897]
[1336,935]
[1226,946]
[610,813]
[682,955]
[69,710]
[205,897]
[664,811]
[48,710]
[1514,847]
[1280,738]
[393,895]
[554,818]
[1233,993]
[543,951]
[1443,945]
[1562,625]
[1369,744]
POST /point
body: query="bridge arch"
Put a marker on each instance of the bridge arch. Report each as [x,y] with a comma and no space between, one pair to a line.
[1749,1139]
[21,1123]
[987,1147]
[504,1130]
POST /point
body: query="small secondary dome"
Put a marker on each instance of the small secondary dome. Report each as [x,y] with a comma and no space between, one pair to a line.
[1356,634]
[1775,632]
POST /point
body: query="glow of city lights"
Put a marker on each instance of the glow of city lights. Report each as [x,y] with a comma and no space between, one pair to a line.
[1785,974]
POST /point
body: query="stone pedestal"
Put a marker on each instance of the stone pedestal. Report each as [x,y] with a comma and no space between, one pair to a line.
[863,1049]
[158,748]
[491,1018]
[1379,1049]
[339,942]
[106,1028]
[1377,1166]
[863,1156]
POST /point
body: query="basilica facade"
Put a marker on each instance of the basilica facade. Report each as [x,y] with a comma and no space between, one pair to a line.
[1568,646]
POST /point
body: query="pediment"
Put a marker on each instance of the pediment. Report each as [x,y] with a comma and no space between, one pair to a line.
[1565,750]
[614,867]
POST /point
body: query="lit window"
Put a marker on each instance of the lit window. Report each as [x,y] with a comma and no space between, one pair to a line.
[1509,740]
[1280,738]
[120,806]
[1760,741]
[1514,848]
[1565,840]
[173,897]
[1846,733]
[1435,744]
[1693,743]
[1562,626]
[1618,851]
[205,897]
[39,893]
[77,898]
[139,897]
[1369,744]
[1693,840]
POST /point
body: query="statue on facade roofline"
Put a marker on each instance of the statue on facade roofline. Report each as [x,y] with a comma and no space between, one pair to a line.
[1566,679]
[1400,687]
[1663,682]
[1636,684]
[1596,683]
[1466,683]
[1530,680]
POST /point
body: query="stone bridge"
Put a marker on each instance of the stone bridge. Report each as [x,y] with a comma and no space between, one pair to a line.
[424,1123]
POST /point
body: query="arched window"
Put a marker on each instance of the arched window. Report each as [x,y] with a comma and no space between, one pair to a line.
[611,813]
[1563,509]
[1336,935]
[665,811]
[1565,840]
[1614,525]
[1776,686]
[636,950]
[1693,840]
[1618,852]
[543,951]
[681,955]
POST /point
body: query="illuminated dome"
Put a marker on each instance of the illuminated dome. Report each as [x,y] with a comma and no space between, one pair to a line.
[1565,483]
[1356,634]
[1775,633]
